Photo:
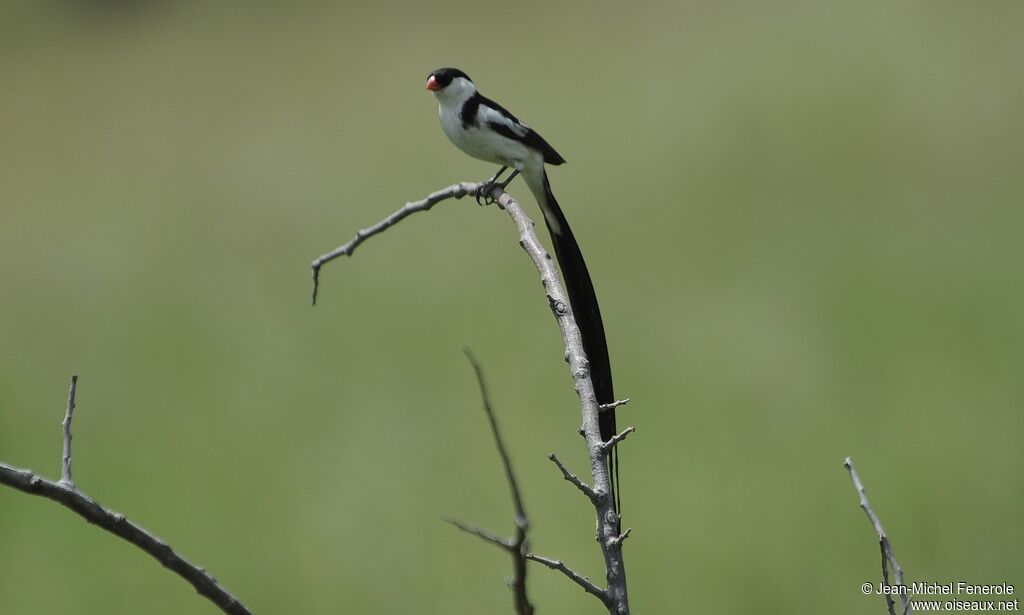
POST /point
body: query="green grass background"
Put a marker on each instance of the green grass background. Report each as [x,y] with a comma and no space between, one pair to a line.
[804,221]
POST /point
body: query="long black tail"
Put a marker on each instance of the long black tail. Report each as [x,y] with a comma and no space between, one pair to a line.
[588,316]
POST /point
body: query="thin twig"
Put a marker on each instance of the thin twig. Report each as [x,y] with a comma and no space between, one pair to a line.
[518,545]
[65,462]
[576,577]
[505,543]
[572,478]
[456,191]
[506,461]
[888,556]
[615,404]
[619,437]
[64,493]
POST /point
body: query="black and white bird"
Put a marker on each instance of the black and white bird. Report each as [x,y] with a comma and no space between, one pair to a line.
[485,130]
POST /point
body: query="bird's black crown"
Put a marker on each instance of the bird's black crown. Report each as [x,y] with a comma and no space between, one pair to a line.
[444,76]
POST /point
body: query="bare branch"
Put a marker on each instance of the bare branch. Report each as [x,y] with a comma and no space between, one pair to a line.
[572,478]
[518,545]
[119,525]
[456,191]
[616,596]
[65,466]
[888,556]
[576,578]
[619,437]
[64,493]
[607,518]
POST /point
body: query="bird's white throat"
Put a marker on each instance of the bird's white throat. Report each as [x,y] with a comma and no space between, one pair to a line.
[457,92]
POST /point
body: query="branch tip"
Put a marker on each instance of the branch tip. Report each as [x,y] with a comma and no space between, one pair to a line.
[619,437]
[615,404]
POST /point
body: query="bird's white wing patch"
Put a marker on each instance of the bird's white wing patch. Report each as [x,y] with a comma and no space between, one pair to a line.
[489,115]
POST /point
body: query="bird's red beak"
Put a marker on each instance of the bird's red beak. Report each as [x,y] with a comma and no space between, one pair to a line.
[432,84]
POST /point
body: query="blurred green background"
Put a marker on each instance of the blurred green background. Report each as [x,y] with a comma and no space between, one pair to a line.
[804,222]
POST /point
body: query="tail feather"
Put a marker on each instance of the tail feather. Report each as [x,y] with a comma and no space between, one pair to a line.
[586,310]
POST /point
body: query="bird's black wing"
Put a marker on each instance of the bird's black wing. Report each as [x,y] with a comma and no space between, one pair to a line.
[499,119]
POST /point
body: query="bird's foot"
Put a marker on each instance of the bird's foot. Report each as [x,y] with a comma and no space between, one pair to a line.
[485,193]
[492,187]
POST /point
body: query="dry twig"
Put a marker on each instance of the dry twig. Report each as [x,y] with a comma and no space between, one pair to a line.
[888,556]
[65,461]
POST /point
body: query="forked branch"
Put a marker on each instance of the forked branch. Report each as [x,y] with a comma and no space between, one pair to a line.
[517,546]
[66,494]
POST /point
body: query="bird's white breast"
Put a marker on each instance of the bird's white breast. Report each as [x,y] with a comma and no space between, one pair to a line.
[484,144]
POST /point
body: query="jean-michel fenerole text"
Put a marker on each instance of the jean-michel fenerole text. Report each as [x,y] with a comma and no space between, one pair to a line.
[958,588]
